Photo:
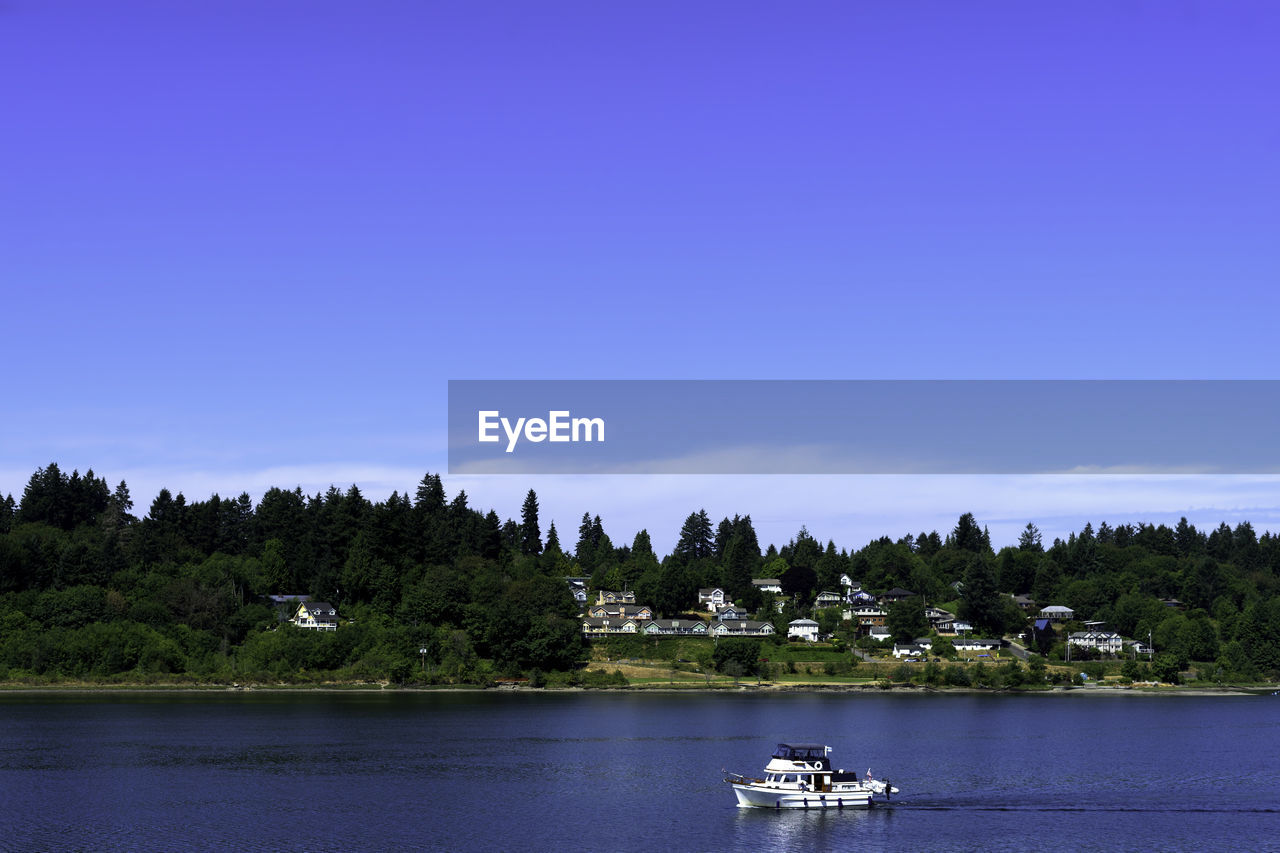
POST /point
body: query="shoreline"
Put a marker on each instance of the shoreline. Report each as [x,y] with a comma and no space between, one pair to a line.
[853,689]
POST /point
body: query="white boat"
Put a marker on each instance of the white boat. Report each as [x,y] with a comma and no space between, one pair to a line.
[800,776]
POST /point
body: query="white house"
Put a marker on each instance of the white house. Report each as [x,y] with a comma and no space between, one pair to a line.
[711,599]
[908,650]
[803,629]
[1057,613]
[316,616]
[1106,642]
[772,585]
[879,633]
[975,644]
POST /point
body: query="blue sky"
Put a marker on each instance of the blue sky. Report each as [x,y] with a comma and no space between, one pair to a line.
[247,244]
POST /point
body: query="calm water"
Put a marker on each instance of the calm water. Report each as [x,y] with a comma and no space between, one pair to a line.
[627,772]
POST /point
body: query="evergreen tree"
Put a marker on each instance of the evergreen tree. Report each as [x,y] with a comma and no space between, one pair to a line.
[980,602]
[968,536]
[1030,539]
[530,535]
[585,551]
[8,509]
[696,540]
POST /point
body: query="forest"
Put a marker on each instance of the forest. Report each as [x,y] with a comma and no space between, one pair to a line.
[433,591]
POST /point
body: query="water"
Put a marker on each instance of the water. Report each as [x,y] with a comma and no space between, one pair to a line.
[620,771]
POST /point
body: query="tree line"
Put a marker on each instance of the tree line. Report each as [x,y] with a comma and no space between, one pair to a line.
[433,589]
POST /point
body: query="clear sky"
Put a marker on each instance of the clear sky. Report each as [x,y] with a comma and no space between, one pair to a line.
[246,244]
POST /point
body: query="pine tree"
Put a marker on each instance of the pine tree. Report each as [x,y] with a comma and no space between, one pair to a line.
[1030,539]
[696,541]
[585,552]
[530,535]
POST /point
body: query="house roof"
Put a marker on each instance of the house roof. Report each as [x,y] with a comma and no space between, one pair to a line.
[899,592]
[767,582]
[1056,608]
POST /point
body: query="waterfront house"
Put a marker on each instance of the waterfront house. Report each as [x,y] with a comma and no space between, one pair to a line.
[316,616]
[1057,613]
[937,616]
[676,627]
[742,628]
[868,615]
[850,585]
[896,594]
[976,644]
[1025,603]
[712,599]
[621,611]
[594,626]
[1105,642]
[803,629]
[829,599]
[908,650]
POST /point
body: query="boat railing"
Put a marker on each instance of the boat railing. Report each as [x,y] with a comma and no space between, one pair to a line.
[739,779]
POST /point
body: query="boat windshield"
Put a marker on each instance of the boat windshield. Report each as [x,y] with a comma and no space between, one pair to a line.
[800,751]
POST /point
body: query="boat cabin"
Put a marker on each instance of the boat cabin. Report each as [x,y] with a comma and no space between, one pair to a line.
[807,752]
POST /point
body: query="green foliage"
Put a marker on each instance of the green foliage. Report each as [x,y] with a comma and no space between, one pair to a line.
[737,656]
[906,621]
[88,590]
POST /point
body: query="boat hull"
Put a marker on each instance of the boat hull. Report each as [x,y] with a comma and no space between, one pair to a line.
[761,797]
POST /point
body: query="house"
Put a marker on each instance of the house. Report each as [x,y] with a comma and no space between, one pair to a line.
[594,626]
[742,628]
[1140,648]
[803,629]
[937,616]
[850,585]
[609,597]
[976,644]
[712,599]
[955,626]
[578,589]
[896,594]
[1025,603]
[868,615]
[316,616]
[1105,642]
[772,585]
[732,611]
[621,611]
[879,633]
[829,599]
[676,627]
[925,643]
[1057,613]
[907,650]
